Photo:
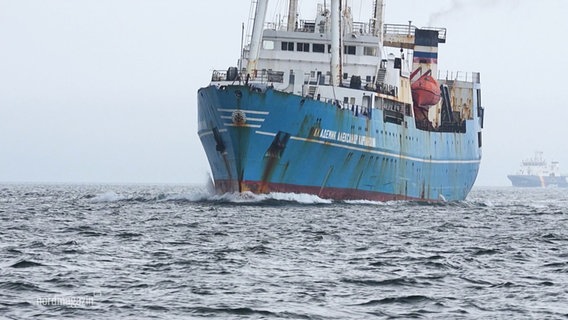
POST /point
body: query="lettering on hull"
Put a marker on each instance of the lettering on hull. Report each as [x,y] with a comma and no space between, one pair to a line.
[344,137]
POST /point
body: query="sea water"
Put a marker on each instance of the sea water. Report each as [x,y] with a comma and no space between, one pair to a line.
[178,252]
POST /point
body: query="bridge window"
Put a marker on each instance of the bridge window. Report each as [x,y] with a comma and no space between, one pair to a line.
[302,46]
[349,50]
[318,47]
[287,46]
[370,51]
[268,45]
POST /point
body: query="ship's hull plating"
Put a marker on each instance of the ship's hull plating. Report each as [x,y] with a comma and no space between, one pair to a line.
[532,181]
[268,141]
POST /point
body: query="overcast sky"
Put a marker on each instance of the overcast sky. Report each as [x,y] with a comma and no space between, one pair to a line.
[105,90]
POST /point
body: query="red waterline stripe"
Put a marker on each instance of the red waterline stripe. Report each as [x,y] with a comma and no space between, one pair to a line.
[231,186]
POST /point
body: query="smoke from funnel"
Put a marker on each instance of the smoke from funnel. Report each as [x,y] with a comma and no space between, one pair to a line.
[460,6]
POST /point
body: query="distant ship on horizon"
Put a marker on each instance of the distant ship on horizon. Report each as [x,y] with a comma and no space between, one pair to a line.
[535,172]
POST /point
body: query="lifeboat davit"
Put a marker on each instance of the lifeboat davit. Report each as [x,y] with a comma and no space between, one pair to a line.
[425,91]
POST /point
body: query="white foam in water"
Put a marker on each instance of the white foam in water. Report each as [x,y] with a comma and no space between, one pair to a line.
[249,197]
[202,193]
[244,197]
[366,202]
[198,194]
[109,196]
[299,197]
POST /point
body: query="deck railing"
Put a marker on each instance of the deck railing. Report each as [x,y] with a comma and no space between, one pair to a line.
[409,30]
[264,76]
[473,77]
[310,26]
[309,78]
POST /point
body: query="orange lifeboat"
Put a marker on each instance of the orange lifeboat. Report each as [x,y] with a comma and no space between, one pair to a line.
[425,91]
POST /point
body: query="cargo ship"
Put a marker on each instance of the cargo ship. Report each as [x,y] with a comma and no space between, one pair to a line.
[341,109]
[535,172]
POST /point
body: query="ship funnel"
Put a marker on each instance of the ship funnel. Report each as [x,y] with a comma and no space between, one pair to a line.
[426,51]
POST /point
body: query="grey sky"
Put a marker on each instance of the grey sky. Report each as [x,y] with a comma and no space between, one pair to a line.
[105,90]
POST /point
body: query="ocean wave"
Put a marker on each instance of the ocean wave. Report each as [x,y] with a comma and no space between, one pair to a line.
[26,264]
[411,299]
[366,202]
[109,196]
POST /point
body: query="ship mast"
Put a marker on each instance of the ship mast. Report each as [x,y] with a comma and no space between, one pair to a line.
[256,38]
[292,13]
[379,19]
[335,43]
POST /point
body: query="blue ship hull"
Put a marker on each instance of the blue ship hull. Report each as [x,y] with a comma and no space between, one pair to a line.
[270,141]
[534,181]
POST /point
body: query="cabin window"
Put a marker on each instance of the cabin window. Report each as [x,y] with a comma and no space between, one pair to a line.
[393,117]
[392,106]
[349,50]
[366,101]
[302,46]
[345,76]
[318,47]
[268,45]
[370,51]
[287,46]
[345,100]
[398,63]
[368,79]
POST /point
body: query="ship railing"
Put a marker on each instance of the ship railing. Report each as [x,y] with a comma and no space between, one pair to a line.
[534,163]
[263,76]
[357,110]
[219,75]
[362,28]
[389,90]
[310,78]
[310,26]
[307,26]
[441,33]
[399,29]
[409,30]
[473,77]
